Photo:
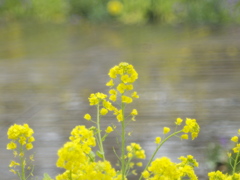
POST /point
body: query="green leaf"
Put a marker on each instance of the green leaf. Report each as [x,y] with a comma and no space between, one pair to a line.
[46,177]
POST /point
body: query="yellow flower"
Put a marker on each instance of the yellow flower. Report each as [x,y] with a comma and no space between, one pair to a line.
[109,129]
[145,174]
[184,136]
[139,164]
[121,88]
[114,7]
[125,78]
[129,87]
[166,130]
[11,145]
[13,171]
[126,99]
[113,98]
[96,98]
[110,83]
[13,164]
[130,155]
[158,140]
[29,146]
[178,121]
[120,117]
[31,139]
[87,117]
[134,112]
[135,95]
[236,148]
[234,139]
[103,111]
[191,127]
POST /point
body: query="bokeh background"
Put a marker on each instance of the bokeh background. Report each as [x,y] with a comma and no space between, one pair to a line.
[54,53]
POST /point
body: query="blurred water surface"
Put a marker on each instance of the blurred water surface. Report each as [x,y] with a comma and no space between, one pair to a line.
[48,71]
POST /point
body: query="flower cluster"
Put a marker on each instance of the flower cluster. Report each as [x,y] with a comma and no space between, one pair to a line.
[75,153]
[135,151]
[235,140]
[99,100]
[126,74]
[81,162]
[191,127]
[21,141]
[218,175]
[77,158]
[21,134]
[164,168]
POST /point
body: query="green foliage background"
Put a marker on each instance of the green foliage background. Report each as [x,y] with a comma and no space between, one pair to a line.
[133,11]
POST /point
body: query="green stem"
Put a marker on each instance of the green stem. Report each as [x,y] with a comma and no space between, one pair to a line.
[22,163]
[235,163]
[123,143]
[158,147]
[99,134]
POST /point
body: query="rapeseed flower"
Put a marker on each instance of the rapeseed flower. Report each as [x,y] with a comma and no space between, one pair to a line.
[84,137]
[109,129]
[166,130]
[236,148]
[234,139]
[21,140]
[191,127]
[87,117]
[184,136]
[163,168]
[218,175]
[110,83]
[134,112]
[126,99]
[11,145]
[135,95]
[96,98]
[158,140]
[135,150]
[103,111]
[178,121]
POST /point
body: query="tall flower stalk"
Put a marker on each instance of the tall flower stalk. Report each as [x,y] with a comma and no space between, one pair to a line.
[21,141]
